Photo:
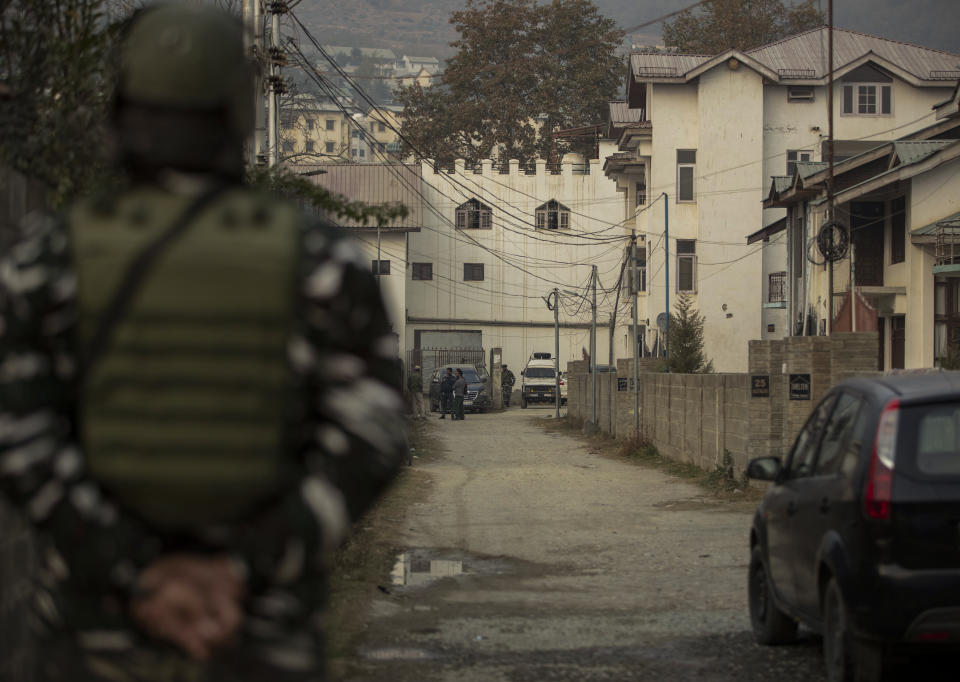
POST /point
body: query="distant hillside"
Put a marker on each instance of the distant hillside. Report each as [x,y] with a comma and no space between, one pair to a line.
[422,27]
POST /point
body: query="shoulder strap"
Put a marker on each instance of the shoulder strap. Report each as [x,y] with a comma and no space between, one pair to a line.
[134,277]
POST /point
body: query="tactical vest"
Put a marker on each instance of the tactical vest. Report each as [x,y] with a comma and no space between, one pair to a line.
[185,418]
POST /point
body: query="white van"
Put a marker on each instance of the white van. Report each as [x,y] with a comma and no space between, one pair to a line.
[538,383]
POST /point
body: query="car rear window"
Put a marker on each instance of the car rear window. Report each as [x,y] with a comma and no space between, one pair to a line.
[540,373]
[932,434]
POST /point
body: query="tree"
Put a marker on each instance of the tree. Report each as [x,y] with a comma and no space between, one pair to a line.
[686,339]
[54,64]
[741,24]
[521,71]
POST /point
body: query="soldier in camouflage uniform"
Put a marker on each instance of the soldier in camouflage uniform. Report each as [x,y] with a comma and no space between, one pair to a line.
[192,449]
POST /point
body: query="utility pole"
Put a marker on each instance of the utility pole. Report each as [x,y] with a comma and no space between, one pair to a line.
[666,275]
[378,255]
[249,10]
[636,348]
[555,307]
[593,345]
[556,349]
[277,58]
[830,213]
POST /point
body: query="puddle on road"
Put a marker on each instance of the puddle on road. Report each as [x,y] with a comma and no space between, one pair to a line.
[417,567]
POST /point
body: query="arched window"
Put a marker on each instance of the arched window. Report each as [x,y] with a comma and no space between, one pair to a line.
[473,215]
[552,216]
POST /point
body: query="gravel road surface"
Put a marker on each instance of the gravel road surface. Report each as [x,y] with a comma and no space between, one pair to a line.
[531,556]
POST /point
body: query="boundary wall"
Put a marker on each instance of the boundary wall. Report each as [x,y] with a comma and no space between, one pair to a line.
[697,418]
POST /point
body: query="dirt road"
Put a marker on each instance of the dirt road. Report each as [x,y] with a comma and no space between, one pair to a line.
[531,556]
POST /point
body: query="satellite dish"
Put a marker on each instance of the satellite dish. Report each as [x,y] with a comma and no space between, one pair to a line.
[662,322]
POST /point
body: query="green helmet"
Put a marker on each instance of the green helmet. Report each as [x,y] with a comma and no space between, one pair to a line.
[182,63]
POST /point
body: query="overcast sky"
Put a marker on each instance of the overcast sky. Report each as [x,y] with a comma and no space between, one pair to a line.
[931,23]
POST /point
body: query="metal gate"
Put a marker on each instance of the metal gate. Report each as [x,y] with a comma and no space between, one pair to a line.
[430,359]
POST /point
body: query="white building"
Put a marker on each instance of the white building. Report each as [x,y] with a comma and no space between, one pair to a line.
[713,130]
[900,205]
[495,241]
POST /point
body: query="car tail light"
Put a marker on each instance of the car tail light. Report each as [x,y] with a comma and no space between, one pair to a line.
[879,490]
[932,636]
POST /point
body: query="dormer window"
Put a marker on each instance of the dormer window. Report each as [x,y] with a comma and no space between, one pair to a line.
[867,91]
[552,216]
[474,215]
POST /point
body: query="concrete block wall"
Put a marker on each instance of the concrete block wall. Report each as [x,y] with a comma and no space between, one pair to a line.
[16,572]
[697,418]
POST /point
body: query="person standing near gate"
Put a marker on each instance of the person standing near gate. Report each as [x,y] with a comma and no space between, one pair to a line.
[415,390]
[197,390]
[446,394]
[507,380]
[459,391]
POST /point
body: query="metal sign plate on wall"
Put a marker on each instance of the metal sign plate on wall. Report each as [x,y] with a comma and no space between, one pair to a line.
[799,387]
[760,386]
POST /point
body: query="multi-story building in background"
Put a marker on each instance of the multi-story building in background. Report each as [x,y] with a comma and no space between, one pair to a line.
[700,140]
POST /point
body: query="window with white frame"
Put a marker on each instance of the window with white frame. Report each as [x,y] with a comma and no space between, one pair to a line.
[331,123]
[329,147]
[867,99]
[552,216]
[795,155]
[686,168]
[777,287]
[687,265]
[641,190]
[474,215]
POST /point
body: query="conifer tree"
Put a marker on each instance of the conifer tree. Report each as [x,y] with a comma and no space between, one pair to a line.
[686,339]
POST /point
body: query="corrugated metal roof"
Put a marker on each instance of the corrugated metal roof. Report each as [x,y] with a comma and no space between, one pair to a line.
[808,168]
[621,113]
[952,221]
[655,65]
[807,51]
[912,151]
[374,183]
[782,182]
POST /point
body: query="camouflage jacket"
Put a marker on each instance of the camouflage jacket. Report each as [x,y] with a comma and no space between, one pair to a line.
[343,349]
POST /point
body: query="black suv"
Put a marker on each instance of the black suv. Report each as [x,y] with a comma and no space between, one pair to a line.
[858,538]
[477,398]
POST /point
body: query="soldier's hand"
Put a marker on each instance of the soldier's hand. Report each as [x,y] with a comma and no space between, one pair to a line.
[212,586]
[175,611]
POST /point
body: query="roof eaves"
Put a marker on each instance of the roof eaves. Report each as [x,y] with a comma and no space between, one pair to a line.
[724,57]
[949,152]
[914,79]
[766,232]
[950,220]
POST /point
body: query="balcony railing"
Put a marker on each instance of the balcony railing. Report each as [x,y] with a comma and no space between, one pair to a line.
[947,248]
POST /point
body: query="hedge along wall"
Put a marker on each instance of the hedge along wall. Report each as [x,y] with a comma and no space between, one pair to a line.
[697,418]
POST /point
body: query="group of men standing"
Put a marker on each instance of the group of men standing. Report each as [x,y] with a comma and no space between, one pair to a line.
[452,388]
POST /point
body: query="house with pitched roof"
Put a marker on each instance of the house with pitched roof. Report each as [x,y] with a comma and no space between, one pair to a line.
[703,138]
[895,232]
